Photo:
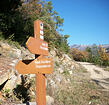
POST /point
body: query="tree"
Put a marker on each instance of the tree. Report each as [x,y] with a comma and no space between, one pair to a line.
[8,5]
[18,22]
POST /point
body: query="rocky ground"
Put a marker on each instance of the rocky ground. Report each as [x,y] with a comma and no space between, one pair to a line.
[97,74]
[69,84]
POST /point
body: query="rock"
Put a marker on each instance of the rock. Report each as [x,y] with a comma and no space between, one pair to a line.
[72,67]
[13,81]
[28,103]
[32,75]
[13,63]
[5,46]
[13,77]
[16,52]
[51,82]
[52,53]
[67,57]
[58,79]
[60,70]
[70,72]
[26,54]
[56,59]
[32,93]
[1,97]
[68,80]
[90,102]
[49,100]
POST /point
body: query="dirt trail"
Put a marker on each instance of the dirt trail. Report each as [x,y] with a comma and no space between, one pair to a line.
[97,74]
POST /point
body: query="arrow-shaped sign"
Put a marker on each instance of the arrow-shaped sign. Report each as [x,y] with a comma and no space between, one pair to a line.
[36,46]
[42,65]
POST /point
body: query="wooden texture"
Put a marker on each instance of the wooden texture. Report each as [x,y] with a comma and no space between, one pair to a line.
[40,89]
[36,46]
[37,29]
[42,65]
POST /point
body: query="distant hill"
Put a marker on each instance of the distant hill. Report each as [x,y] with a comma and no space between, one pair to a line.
[80,47]
[106,46]
[83,47]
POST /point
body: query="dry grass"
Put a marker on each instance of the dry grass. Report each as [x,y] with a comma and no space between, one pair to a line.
[106,69]
[80,90]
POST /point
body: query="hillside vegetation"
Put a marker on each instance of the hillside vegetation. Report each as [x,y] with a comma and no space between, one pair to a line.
[70,83]
[16,25]
[94,54]
[17,17]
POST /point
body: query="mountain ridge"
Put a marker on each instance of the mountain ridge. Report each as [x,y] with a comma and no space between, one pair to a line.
[83,47]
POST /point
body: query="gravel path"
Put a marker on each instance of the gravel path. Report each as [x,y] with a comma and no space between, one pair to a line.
[97,74]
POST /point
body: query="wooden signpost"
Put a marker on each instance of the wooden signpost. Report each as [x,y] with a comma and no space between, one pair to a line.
[40,65]
[37,46]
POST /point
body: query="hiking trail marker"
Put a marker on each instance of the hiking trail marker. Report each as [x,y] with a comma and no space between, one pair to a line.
[40,65]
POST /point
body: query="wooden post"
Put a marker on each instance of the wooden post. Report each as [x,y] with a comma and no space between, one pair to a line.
[40,65]
[40,89]
[40,78]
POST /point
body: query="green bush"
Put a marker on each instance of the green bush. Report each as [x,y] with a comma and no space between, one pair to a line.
[17,23]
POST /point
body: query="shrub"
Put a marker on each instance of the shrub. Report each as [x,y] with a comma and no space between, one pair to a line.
[79,55]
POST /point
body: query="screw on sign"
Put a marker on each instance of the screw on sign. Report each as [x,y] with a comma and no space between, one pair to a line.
[40,65]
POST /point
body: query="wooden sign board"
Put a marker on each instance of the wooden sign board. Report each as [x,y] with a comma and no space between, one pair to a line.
[42,65]
[36,46]
[38,30]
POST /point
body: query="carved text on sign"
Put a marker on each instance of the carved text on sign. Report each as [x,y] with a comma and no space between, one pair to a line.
[42,65]
[36,46]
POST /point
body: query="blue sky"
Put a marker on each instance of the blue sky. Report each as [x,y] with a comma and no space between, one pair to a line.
[86,21]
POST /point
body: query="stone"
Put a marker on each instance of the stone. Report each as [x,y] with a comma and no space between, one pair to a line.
[58,79]
[49,100]
[90,102]
[53,53]
[68,80]
[60,70]
[13,63]
[32,93]
[72,67]
[70,72]
[1,97]
[5,46]
[13,82]
[51,82]
[16,52]
[28,103]
[67,57]
[32,75]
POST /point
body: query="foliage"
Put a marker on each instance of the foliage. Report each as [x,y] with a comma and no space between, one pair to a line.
[106,69]
[22,90]
[7,5]
[18,18]
[104,57]
[94,54]
[79,55]
[98,55]
[6,93]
